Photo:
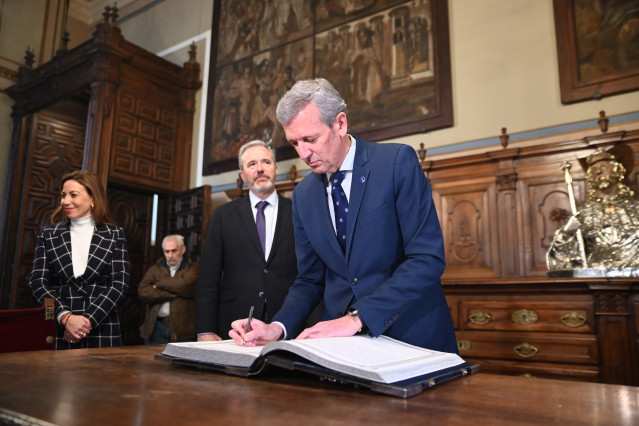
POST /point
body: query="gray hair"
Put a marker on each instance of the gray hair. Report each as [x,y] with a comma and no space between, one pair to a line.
[178,237]
[251,144]
[320,92]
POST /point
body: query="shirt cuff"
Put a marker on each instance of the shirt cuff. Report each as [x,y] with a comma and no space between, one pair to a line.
[60,314]
[284,335]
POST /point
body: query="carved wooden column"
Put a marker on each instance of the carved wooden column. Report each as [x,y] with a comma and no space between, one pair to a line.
[507,213]
[616,339]
[190,74]
[506,181]
[100,121]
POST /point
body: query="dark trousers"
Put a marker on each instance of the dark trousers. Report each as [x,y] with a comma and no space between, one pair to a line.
[160,334]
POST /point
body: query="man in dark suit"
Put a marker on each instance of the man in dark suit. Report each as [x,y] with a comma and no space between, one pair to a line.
[385,278]
[237,270]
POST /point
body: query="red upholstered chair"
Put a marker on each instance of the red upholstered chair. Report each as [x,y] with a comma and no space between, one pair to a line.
[28,329]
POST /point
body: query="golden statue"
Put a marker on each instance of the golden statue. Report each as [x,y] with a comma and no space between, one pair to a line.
[604,233]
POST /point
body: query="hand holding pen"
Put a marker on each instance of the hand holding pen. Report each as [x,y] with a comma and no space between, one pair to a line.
[260,333]
[248,324]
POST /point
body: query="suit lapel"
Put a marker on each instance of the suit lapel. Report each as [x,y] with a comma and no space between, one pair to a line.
[100,243]
[358,187]
[64,234]
[322,215]
[283,216]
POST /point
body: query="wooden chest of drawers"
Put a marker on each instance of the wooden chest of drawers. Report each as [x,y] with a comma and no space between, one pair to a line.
[582,330]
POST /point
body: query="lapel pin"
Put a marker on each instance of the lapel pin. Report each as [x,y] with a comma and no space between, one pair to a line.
[362,179]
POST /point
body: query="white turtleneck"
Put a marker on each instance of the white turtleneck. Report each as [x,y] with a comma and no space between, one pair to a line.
[81,233]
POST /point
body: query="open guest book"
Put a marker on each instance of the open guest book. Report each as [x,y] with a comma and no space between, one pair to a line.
[381,364]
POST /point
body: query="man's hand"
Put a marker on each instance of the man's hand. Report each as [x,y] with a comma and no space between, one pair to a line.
[340,327]
[572,225]
[259,335]
[208,337]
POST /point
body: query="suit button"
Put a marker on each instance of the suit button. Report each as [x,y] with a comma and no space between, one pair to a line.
[266,271]
[261,294]
[354,281]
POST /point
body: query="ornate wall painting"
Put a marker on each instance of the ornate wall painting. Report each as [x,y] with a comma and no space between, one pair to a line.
[390,60]
[597,47]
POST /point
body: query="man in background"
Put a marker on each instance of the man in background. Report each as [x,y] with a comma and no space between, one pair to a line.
[169,289]
[249,258]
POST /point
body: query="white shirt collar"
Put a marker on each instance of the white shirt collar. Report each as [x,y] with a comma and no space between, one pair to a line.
[347,164]
[272,199]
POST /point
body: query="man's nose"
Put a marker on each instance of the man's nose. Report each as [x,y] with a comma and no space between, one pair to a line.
[302,150]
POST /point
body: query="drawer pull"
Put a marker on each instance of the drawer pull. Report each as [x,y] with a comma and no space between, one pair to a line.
[479,318]
[524,317]
[573,320]
[526,350]
[464,345]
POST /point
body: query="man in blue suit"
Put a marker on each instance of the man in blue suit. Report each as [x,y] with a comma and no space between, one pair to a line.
[386,277]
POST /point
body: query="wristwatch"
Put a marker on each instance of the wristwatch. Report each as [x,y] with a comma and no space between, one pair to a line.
[353,312]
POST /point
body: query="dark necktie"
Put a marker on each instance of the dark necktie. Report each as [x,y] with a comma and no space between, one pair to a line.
[340,203]
[261,223]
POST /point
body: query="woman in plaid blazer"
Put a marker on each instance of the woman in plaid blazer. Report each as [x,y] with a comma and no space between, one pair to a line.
[81,261]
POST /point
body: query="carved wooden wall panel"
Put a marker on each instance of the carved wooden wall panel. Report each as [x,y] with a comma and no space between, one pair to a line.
[467,215]
[544,206]
[133,212]
[55,149]
[145,141]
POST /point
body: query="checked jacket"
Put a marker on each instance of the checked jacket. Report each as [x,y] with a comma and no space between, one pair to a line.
[96,294]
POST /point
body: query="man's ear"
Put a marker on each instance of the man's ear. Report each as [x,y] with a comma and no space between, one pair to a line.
[243,177]
[341,124]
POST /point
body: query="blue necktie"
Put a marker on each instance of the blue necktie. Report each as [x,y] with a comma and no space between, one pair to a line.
[340,203]
[261,223]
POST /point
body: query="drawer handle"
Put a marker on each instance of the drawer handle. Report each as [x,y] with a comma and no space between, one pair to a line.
[524,317]
[526,350]
[479,318]
[573,320]
[464,345]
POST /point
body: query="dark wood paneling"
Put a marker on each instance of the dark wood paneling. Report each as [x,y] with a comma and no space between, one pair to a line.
[121,112]
[133,211]
[55,147]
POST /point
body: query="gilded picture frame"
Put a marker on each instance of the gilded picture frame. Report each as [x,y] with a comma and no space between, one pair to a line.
[597,48]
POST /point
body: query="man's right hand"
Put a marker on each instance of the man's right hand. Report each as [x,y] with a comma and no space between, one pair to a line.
[259,335]
[208,337]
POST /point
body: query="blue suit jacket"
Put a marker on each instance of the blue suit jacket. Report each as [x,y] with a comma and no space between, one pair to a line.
[394,251]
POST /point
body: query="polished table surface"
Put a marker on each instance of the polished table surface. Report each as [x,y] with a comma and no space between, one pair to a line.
[128,386]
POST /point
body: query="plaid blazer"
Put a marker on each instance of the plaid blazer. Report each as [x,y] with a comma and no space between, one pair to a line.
[96,294]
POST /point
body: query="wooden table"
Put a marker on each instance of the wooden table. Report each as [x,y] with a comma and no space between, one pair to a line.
[123,386]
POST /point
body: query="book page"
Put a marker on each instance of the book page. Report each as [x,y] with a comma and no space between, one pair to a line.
[380,359]
[222,352]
